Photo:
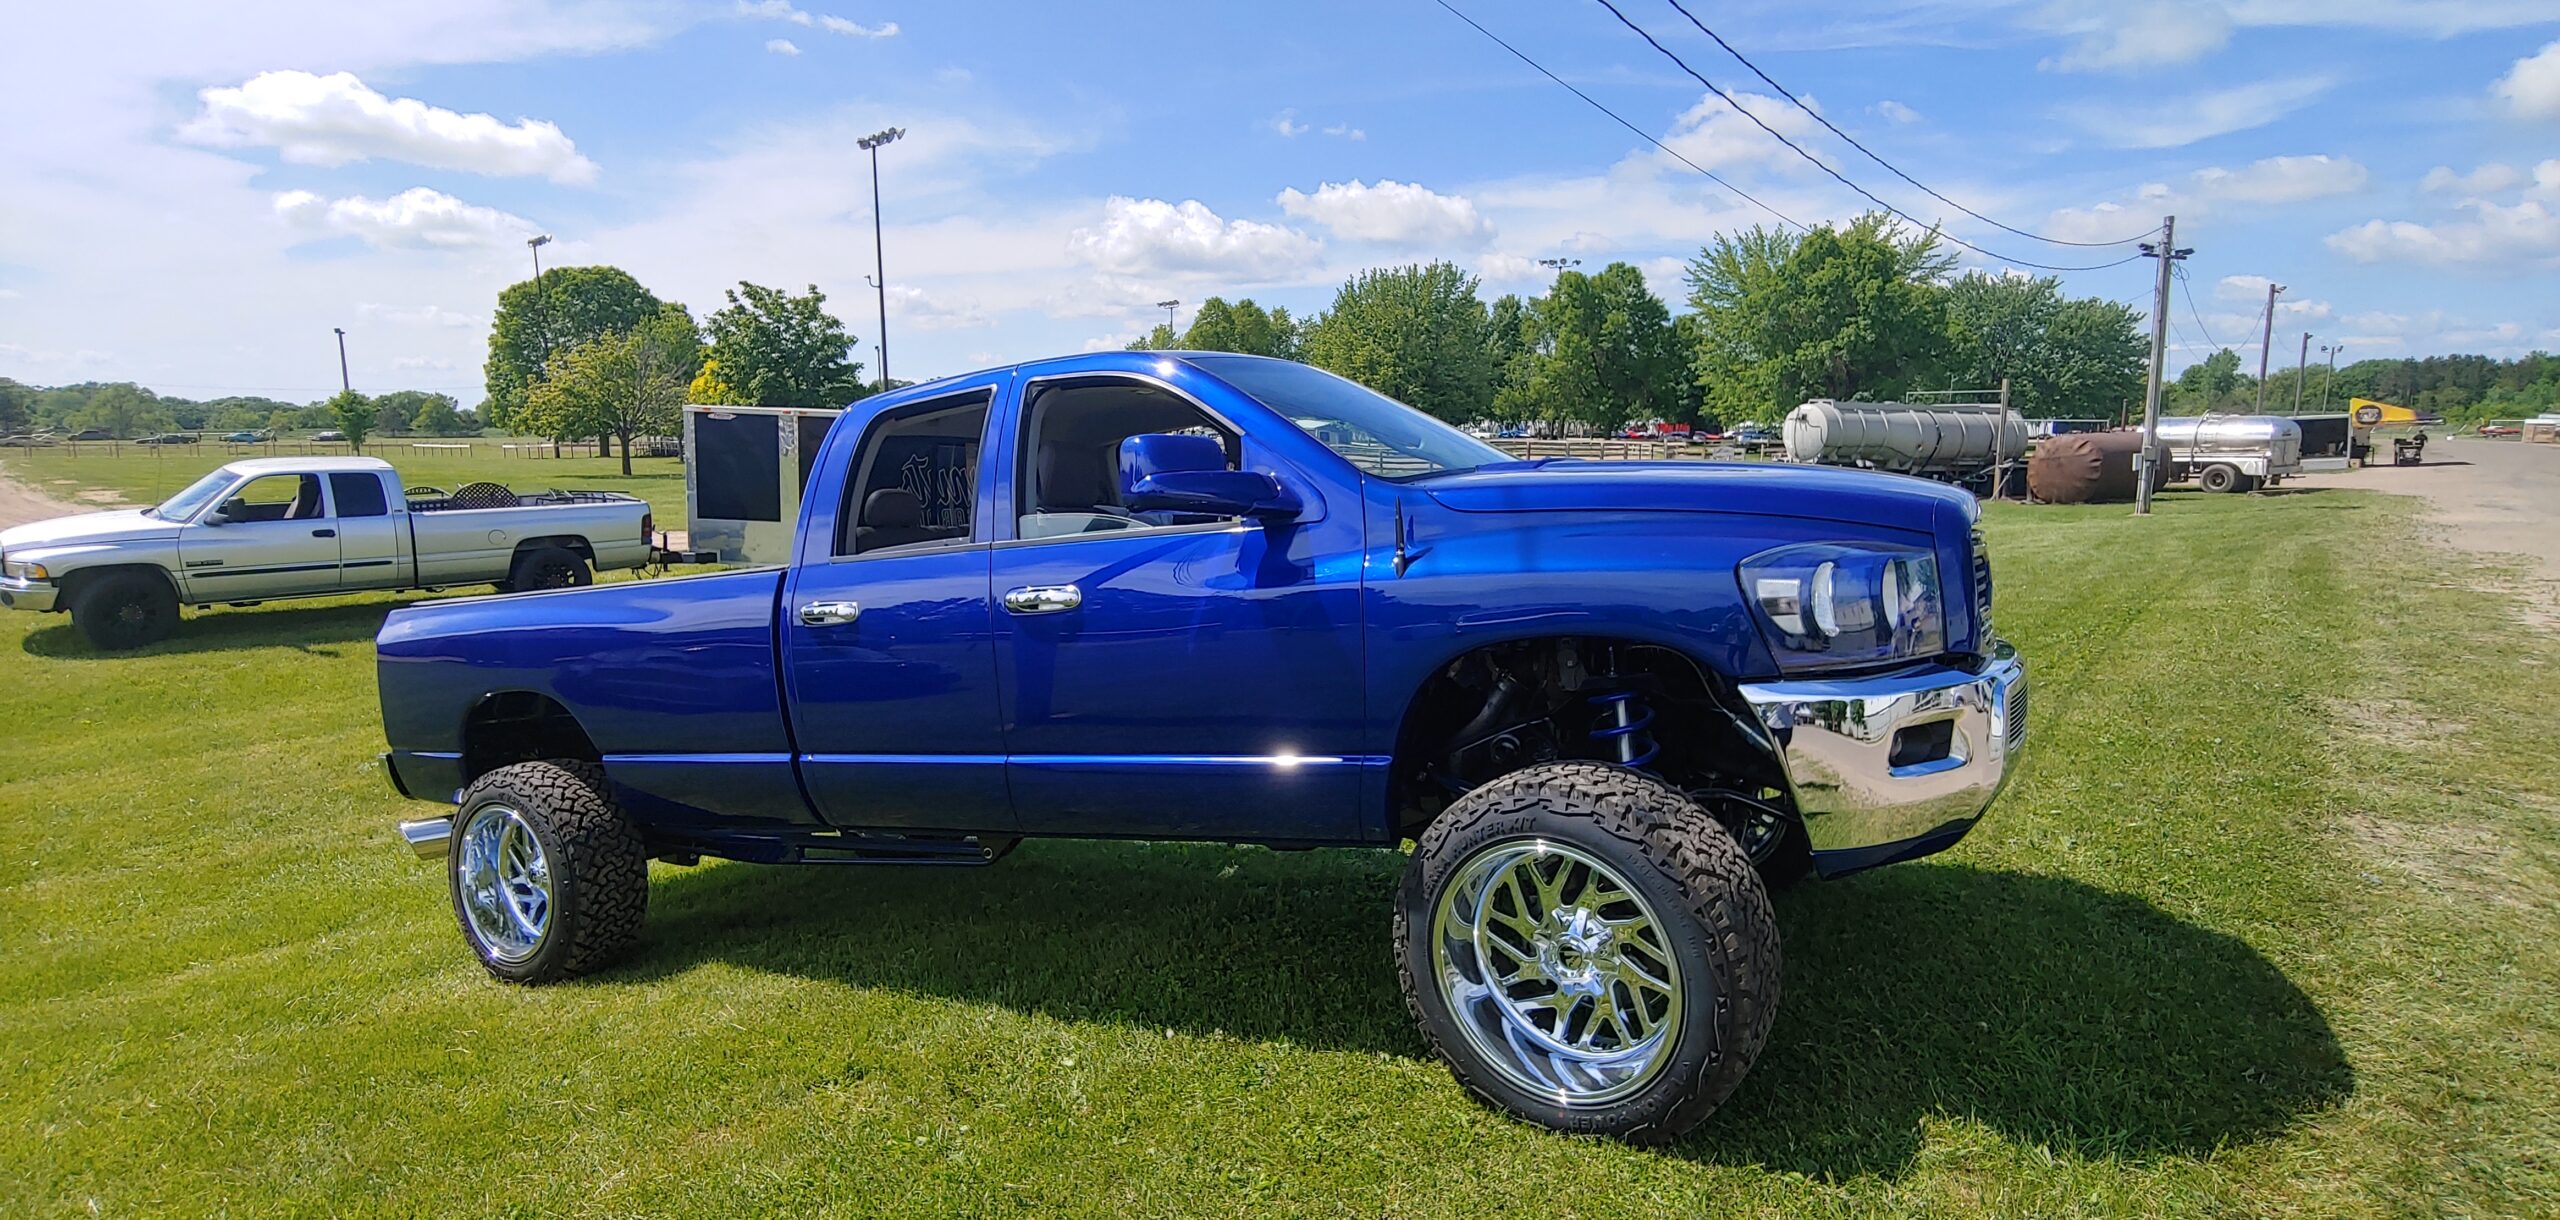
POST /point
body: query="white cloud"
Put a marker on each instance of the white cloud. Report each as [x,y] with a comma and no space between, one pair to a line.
[1287,124]
[782,46]
[2120,37]
[2202,116]
[414,219]
[2526,234]
[422,315]
[336,119]
[784,10]
[1711,135]
[1400,212]
[918,309]
[435,364]
[1345,131]
[2532,86]
[1153,237]
[1896,112]
[2489,179]
[2282,180]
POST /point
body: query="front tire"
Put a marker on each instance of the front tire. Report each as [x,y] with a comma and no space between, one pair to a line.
[550,878]
[123,610]
[1588,949]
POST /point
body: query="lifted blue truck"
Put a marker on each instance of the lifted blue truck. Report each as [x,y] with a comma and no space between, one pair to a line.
[1197,596]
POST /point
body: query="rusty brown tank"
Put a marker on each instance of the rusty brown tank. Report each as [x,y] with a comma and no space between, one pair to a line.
[2087,468]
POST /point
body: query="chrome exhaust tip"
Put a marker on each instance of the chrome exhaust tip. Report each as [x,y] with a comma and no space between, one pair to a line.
[427,838]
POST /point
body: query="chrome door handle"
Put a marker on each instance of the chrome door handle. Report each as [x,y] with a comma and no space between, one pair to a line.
[829,614]
[1043,599]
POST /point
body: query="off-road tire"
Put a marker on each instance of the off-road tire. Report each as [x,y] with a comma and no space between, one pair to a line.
[549,567]
[2220,477]
[122,610]
[598,862]
[1692,872]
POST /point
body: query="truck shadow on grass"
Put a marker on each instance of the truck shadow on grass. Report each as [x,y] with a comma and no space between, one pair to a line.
[314,629]
[2055,1013]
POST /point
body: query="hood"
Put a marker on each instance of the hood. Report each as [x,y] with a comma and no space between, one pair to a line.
[1768,489]
[87,529]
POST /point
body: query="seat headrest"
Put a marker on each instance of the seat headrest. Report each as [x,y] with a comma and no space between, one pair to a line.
[1074,479]
[892,508]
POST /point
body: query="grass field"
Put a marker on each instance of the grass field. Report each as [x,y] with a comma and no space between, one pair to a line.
[2265,927]
[147,474]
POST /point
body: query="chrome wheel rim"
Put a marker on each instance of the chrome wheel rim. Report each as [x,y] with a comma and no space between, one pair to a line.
[1557,971]
[504,882]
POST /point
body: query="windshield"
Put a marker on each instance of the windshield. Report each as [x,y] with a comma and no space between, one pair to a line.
[1376,433]
[193,500]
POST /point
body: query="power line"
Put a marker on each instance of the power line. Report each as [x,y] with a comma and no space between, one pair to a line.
[1523,57]
[2186,288]
[1872,155]
[1817,162]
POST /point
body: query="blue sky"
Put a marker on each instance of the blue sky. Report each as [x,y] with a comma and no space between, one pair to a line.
[196,197]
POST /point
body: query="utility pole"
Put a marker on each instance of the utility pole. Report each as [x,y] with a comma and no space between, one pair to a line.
[879,259]
[2168,253]
[2266,338]
[344,383]
[2332,350]
[2301,363]
[2000,448]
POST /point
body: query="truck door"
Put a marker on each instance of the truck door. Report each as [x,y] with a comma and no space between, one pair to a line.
[369,537]
[276,539]
[1167,675]
[888,655]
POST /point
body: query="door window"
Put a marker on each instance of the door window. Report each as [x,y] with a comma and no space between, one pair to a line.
[1069,483]
[915,483]
[276,497]
[359,495]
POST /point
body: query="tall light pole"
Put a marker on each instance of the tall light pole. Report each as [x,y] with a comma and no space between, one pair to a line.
[2167,251]
[1168,307]
[2266,339]
[344,382]
[1558,265]
[542,294]
[2301,362]
[880,260]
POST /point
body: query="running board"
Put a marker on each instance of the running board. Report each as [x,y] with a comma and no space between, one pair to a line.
[839,849]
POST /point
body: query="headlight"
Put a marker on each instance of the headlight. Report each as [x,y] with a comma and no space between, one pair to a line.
[1829,606]
[25,571]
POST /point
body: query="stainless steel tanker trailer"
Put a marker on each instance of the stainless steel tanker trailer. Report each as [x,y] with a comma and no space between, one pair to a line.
[2231,452]
[1954,443]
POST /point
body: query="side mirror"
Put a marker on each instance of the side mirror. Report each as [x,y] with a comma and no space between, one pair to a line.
[1169,472]
[220,515]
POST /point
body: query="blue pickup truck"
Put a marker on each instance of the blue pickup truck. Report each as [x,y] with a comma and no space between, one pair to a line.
[1219,597]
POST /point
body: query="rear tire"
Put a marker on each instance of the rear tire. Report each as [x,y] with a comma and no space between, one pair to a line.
[2219,478]
[550,878]
[1632,981]
[123,610]
[549,567]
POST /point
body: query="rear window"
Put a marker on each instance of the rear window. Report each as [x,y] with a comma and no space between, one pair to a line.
[359,495]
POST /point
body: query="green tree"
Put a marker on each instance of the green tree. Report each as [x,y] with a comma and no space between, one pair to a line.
[17,406]
[780,350]
[538,319]
[1510,353]
[626,384]
[1160,339]
[2065,357]
[1603,351]
[2214,383]
[397,411]
[125,410]
[712,389]
[1416,334]
[1854,312]
[354,414]
[442,416]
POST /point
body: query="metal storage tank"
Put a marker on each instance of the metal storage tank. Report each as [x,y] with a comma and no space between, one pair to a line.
[2089,468]
[1908,437]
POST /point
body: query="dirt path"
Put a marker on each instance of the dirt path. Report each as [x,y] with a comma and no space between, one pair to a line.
[20,503]
[2491,497]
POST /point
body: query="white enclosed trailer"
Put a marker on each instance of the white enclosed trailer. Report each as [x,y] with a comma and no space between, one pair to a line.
[743,471]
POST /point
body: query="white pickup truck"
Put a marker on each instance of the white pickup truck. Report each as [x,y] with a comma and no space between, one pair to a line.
[271,528]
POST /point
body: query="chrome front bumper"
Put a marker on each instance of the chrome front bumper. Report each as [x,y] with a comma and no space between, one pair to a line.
[16,594]
[1892,767]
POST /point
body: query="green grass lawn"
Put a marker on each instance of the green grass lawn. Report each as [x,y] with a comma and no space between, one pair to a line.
[147,474]
[2265,927]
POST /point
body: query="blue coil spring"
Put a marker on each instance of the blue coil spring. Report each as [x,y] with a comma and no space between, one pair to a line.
[1625,729]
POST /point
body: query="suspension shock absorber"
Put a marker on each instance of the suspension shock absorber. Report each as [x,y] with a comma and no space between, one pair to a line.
[1626,717]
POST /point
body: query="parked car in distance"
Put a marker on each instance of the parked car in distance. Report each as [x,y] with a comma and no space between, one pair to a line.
[270,528]
[92,434]
[248,438]
[331,434]
[1185,595]
[2500,430]
[169,438]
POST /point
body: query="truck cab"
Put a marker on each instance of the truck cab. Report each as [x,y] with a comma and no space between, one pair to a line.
[1219,597]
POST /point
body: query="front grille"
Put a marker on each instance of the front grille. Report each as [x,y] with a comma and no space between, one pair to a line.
[2013,715]
[1981,589]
